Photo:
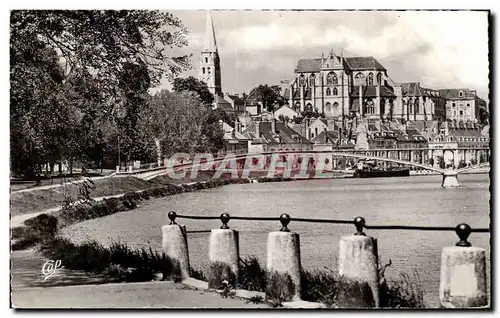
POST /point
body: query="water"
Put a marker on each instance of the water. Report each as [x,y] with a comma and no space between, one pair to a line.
[418,200]
[403,201]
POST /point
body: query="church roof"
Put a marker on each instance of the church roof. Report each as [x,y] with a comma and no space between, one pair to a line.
[354,63]
[364,63]
[210,44]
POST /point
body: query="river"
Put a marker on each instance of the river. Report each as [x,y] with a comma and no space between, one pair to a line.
[417,200]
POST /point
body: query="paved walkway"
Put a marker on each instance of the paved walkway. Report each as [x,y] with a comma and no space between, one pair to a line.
[82,179]
[75,289]
[18,220]
[127,295]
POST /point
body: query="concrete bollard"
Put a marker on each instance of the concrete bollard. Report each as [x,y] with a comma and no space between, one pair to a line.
[358,260]
[224,255]
[283,264]
[450,179]
[463,274]
[175,246]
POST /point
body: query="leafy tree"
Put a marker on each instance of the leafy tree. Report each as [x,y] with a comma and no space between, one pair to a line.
[461,164]
[441,162]
[192,84]
[219,114]
[181,122]
[431,162]
[67,72]
[269,96]
[483,116]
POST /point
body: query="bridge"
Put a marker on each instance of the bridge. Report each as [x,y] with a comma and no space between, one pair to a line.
[319,161]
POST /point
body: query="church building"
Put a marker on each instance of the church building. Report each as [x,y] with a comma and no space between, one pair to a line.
[341,87]
[209,71]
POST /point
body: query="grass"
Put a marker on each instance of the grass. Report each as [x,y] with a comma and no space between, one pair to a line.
[36,233]
[333,290]
[118,262]
[36,200]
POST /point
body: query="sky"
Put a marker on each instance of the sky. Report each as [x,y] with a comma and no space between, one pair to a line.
[439,49]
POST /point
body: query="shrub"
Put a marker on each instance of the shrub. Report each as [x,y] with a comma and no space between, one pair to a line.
[218,273]
[197,274]
[251,275]
[118,261]
[280,288]
[402,293]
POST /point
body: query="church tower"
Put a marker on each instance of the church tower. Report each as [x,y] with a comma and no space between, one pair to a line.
[209,60]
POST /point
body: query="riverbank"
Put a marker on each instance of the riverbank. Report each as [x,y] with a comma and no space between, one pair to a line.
[407,201]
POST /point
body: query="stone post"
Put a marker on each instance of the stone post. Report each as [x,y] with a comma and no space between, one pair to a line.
[130,169]
[463,274]
[175,246]
[283,263]
[117,169]
[223,254]
[358,260]
[450,179]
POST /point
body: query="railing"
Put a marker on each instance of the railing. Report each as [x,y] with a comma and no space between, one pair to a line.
[358,256]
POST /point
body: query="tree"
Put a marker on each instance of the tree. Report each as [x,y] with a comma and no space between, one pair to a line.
[192,84]
[219,114]
[269,96]
[181,122]
[483,116]
[441,162]
[67,72]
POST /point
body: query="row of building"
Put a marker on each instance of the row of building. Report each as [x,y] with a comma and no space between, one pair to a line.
[357,106]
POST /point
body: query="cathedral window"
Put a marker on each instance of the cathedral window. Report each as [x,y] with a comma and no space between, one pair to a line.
[206,59]
[331,79]
[209,70]
[370,79]
[379,78]
[297,106]
[302,80]
[335,91]
[335,108]
[328,108]
[312,80]
[370,107]
[203,70]
[359,79]
[328,91]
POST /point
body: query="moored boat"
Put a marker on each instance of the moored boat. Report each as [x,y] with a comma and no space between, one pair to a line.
[370,170]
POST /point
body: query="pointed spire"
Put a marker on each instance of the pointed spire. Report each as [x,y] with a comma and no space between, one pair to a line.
[210,43]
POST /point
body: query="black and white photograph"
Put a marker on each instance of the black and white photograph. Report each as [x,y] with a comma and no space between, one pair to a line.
[278,159]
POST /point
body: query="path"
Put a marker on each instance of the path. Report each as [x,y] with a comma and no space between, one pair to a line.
[18,220]
[77,289]
[59,184]
[124,295]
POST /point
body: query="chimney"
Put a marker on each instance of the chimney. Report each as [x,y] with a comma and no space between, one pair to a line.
[326,135]
[273,125]
[257,129]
